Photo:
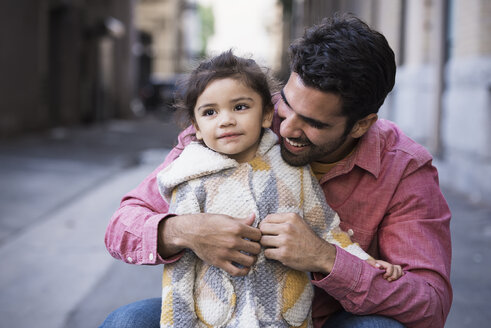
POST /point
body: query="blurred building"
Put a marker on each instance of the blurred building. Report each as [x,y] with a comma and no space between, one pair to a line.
[168,44]
[64,62]
[442,97]
[258,32]
[67,62]
[173,27]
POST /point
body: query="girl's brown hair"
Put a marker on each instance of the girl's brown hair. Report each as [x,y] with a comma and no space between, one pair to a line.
[225,65]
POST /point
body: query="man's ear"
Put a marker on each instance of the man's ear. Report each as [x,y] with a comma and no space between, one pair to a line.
[267,118]
[362,125]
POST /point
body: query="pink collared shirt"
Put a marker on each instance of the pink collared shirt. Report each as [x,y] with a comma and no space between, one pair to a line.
[389,201]
[387,196]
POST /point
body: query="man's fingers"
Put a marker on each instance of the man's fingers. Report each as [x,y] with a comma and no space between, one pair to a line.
[272,253]
[275,218]
[239,263]
[250,247]
[248,231]
[268,228]
[243,259]
[282,218]
[235,270]
[270,241]
[251,233]
[250,219]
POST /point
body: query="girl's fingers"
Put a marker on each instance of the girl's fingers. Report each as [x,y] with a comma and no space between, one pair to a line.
[389,271]
[392,272]
[396,273]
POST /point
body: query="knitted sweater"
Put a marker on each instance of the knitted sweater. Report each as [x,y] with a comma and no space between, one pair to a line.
[195,294]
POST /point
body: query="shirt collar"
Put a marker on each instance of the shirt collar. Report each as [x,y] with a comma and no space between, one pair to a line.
[367,154]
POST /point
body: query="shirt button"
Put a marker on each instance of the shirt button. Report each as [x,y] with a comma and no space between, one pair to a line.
[350,232]
[129,259]
[150,256]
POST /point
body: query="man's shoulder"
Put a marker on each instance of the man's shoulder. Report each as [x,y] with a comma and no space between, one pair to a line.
[394,141]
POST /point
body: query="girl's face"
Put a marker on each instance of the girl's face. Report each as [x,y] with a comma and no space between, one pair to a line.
[229,118]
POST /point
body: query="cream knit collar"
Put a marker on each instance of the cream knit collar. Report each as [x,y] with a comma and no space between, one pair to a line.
[197,161]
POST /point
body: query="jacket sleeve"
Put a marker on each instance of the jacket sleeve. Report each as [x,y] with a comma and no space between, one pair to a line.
[323,219]
[131,235]
[415,234]
[184,200]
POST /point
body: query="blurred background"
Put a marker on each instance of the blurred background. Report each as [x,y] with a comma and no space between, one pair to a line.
[86,88]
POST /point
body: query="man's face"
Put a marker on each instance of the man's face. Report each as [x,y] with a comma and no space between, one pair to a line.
[312,127]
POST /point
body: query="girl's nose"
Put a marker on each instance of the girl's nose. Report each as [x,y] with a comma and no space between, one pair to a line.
[227,118]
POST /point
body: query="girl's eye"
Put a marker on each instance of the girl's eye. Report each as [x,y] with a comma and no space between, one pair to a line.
[241,107]
[208,112]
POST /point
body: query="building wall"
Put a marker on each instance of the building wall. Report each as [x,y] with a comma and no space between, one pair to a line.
[458,132]
[60,66]
[23,32]
[159,18]
[466,133]
[387,18]
[68,62]
[174,28]
[412,94]
[442,96]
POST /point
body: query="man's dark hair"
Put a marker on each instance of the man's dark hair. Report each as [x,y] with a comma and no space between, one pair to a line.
[345,56]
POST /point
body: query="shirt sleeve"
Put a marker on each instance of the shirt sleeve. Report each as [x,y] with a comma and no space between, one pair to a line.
[415,234]
[132,233]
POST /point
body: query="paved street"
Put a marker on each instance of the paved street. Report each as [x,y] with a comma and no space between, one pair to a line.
[59,190]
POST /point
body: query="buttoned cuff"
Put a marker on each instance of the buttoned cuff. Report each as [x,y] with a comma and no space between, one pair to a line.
[344,277]
[150,254]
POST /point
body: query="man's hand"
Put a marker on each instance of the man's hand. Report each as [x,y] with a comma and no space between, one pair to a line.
[290,240]
[216,239]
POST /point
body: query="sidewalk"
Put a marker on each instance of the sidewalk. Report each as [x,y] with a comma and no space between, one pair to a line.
[59,190]
[471,262]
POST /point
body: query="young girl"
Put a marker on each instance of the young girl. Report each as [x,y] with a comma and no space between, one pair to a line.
[236,169]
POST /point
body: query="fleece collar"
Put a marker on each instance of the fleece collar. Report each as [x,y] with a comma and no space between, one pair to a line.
[197,161]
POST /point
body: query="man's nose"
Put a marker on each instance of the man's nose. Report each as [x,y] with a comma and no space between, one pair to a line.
[290,126]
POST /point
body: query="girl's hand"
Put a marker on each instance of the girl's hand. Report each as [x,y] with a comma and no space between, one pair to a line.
[392,271]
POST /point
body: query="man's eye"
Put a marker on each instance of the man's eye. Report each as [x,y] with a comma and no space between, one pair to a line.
[316,125]
[241,107]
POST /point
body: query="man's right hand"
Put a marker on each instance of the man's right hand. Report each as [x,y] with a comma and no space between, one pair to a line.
[219,240]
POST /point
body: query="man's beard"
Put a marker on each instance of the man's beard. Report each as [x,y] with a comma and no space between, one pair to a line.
[316,153]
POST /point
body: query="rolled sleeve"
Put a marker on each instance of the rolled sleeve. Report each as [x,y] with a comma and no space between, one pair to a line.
[344,277]
[150,245]
[132,232]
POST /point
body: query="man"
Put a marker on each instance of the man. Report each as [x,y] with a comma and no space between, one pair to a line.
[381,183]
